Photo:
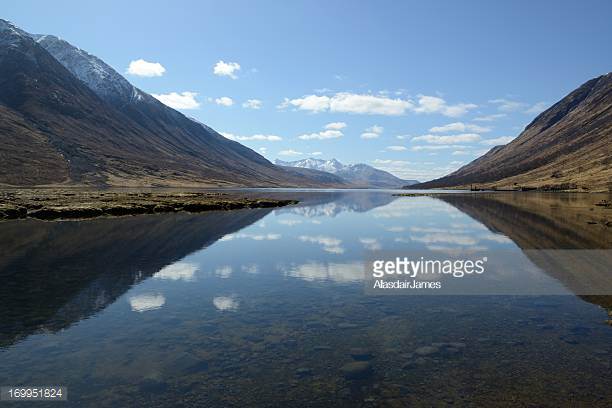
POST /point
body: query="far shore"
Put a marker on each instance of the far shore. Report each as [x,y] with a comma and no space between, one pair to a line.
[70,203]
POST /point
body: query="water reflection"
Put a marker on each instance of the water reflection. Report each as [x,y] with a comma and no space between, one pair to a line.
[144,303]
[57,273]
[177,271]
[544,221]
[335,272]
[262,307]
[226,303]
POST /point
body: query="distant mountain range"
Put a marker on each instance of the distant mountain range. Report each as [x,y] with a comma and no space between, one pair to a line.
[356,175]
[568,146]
[66,117]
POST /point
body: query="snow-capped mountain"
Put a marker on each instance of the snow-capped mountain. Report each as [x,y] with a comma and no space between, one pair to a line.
[330,166]
[359,175]
[98,75]
[67,117]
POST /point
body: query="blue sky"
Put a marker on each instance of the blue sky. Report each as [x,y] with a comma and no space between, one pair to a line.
[416,88]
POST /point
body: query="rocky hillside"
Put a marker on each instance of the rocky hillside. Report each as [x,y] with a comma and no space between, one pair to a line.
[568,146]
[66,117]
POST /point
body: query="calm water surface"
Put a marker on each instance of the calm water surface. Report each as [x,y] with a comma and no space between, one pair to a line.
[266,307]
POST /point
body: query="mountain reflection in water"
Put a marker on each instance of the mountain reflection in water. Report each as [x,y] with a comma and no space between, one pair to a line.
[266,306]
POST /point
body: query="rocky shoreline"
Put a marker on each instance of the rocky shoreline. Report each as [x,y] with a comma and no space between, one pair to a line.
[57,204]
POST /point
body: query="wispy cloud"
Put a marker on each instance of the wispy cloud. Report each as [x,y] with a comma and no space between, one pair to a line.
[252,104]
[373,132]
[450,139]
[506,105]
[537,108]
[290,152]
[434,147]
[490,118]
[497,141]
[434,104]
[419,171]
[459,127]
[329,244]
[396,148]
[335,125]
[259,137]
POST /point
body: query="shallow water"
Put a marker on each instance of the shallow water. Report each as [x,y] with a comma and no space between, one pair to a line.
[266,306]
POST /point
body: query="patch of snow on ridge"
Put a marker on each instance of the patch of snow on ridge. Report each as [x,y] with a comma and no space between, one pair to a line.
[95,73]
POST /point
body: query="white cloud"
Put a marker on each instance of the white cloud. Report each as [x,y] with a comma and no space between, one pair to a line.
[498,141]
[436,147]
[347,102]
[175,100]
[490,118]
[290,152]
[381,104]
[263,150]
[444,140]
[228,69]
[419,171]
[267,138]
[311,103]
[397,148]
[144,68]
[252,104]
[224,101]
[335,125]
[459,127]
[394,162]
[316,153]
[325,134]
[506,105]
[368,104]
[332,131]
[537,108]
[372,132]
[460,153]
[434,104]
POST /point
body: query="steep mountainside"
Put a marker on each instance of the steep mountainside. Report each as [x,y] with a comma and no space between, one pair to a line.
[567,146]
[67,117]
[358,175]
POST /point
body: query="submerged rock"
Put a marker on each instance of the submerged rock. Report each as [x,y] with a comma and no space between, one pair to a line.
[357,370]
[427,350]
[360,354]
[303,372]
[151,386]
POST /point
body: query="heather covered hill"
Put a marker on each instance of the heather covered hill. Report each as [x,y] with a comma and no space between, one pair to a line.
[66,117]
[567,146]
